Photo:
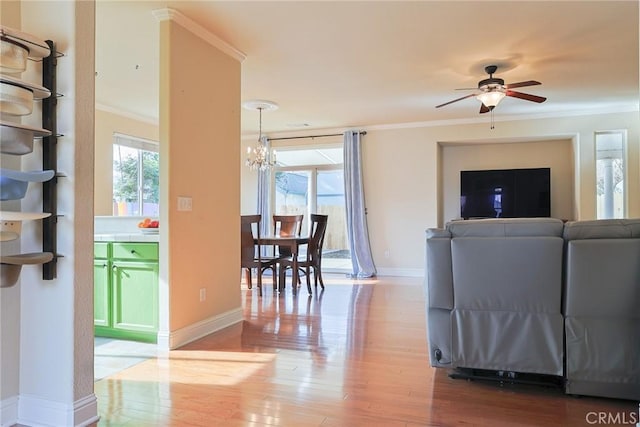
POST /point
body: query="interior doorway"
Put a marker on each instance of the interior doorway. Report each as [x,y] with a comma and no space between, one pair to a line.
[128,186]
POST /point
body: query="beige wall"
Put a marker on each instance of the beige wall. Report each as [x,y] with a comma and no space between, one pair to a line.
[400,181]
[406,186]
[557,155]
[107,124]
[199,158]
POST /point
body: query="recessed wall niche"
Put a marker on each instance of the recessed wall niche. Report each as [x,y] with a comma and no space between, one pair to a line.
[555,154]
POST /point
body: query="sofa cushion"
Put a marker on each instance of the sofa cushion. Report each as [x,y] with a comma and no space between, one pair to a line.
[506,227]
[603,357]
[603,278]
[521,274]
[602,229]
[507,341]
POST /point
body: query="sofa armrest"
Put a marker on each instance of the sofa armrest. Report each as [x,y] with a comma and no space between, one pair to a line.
[602,229]
[439,276]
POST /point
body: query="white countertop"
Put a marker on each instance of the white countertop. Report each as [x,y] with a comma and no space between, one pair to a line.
[126,237]
[121,229]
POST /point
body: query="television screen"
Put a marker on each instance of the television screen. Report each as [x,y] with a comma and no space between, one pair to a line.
[506,193]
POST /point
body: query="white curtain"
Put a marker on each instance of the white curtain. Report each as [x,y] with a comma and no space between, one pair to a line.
[264,184]
[357,232]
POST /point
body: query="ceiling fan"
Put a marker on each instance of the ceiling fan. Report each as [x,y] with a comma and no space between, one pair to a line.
[492,90]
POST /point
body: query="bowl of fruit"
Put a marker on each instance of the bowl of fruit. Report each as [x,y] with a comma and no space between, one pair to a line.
[149,226]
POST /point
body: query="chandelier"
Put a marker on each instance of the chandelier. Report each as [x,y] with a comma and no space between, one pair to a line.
[260,157]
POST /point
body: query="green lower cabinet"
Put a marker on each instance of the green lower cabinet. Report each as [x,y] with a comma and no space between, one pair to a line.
[101,281]
[127,306]
[135,296]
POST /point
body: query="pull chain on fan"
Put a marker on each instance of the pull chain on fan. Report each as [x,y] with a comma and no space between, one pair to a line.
[492,90]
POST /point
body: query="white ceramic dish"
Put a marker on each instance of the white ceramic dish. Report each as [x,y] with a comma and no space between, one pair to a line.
[11,222]
[11,265]
[16,96]
[13,56]
[6,236]
[37,48]
[15,100]
[16,138]
[22,216]
[149,230]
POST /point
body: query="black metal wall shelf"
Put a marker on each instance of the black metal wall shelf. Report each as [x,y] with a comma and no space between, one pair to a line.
[50,162]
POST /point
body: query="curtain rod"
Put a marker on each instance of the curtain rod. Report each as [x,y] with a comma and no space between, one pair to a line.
[312,136]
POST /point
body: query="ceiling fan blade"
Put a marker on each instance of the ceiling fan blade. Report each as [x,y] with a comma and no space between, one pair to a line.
[456,100]
[484,108]
[522,84]
[526,96]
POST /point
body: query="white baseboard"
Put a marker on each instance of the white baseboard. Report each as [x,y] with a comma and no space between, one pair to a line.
[180,337]
[86,411]
[400,272]
[9,411]
[37,412]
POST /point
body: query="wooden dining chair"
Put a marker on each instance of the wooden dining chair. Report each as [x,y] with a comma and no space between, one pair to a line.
[251,256]
[286,226]
[312,260]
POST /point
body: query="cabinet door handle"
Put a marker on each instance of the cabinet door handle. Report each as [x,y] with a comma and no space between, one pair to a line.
[133,251]
[104,265]
[114,267]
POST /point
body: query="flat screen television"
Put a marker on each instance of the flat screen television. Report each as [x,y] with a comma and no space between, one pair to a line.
[505,193]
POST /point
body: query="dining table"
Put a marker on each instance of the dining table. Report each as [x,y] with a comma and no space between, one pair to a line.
[291,242]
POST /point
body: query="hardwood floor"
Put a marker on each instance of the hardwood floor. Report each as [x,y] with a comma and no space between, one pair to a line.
[354,355]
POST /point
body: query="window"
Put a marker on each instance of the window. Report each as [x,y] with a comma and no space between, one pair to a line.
[610,174]
[311,180]
[136,173]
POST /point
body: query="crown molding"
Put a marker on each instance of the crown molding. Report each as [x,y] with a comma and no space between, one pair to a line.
[127,114]
[168,14]
[510,118]
[456,122]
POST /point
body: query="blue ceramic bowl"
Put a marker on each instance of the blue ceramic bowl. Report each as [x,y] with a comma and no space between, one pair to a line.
[13,184]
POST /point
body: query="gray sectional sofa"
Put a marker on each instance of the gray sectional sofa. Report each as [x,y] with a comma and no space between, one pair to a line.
[537,296]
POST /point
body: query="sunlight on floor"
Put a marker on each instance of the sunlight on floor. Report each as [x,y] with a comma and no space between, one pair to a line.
[219,368]
[112,356]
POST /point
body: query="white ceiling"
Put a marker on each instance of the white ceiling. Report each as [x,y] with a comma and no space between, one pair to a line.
[359,64]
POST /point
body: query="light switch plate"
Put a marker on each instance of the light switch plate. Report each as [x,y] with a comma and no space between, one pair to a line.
[184,203]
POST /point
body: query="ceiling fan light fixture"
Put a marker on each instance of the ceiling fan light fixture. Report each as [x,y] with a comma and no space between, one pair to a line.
[491,98]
